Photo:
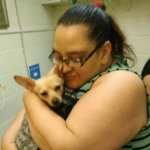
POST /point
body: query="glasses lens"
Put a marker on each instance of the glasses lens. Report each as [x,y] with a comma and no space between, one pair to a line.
[70,62]
[74,63]
[53,58]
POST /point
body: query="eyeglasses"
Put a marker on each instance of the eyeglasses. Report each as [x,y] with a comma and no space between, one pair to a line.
[75,63]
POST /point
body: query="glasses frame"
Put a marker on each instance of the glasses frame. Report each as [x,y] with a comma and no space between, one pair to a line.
[78,60]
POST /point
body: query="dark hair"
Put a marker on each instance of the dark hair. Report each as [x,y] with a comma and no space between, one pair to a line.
[102,28]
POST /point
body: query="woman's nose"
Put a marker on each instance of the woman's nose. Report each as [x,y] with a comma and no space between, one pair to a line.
[65,68]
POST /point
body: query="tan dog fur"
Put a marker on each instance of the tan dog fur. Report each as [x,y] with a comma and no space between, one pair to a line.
[48,88]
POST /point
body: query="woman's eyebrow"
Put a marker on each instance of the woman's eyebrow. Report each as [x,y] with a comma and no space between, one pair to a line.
[75,52]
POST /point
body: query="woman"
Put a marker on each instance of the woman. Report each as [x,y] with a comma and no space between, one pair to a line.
[113,110]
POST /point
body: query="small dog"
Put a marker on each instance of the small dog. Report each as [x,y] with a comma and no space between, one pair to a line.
[51,90]
[48,88]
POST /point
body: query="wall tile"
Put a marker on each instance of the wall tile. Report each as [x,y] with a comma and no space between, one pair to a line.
[3,66]
[143,25]
[47,11]
[2,98]
[38,53]
[31,38]
[47,36]
[11,9]
[141,44]
[15,60]
[11,107]
[128,25]
[45,51]
[32,54]
[5,113]
[18,101]
[58,12]
[134,9]
[13,41]
[11,86]
[45,67]
[141,60]
[31,13]
[144,8]
[22,12]
[3,41]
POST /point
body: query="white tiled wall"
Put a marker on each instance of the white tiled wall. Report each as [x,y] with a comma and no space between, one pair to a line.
[38,36]
[40,22]
[136,26]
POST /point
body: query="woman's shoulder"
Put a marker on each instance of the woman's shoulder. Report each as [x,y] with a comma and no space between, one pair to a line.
[123,87]
[122,78]
[119,88]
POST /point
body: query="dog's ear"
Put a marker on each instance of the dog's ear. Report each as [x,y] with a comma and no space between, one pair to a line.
[62,80]
[57,70]
[28,83]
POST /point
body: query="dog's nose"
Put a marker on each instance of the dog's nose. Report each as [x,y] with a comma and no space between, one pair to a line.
[55,101]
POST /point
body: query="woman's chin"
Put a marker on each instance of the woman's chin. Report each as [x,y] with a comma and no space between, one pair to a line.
[72,85]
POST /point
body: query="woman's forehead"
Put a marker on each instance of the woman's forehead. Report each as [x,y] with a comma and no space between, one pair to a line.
[70,32]
[71,37]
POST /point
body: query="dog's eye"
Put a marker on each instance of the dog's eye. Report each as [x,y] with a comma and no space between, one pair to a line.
[44,94]
[57,87]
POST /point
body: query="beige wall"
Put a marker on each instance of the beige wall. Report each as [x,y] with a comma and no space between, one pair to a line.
[38,23]
[136,26]
[38,31]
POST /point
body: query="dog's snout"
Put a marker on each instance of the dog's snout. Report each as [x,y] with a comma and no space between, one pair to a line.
[55,101]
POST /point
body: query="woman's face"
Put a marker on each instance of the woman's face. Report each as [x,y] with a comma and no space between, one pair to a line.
[71,42]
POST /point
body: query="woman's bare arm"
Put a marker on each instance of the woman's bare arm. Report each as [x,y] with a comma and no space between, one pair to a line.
[9,138]
[106,117]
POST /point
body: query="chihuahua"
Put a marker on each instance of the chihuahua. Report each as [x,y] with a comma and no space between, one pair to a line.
[48,88]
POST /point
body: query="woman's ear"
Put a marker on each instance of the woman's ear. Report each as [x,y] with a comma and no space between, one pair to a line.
[106,52]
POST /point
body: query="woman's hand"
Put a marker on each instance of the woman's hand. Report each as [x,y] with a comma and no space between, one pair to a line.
[9,138]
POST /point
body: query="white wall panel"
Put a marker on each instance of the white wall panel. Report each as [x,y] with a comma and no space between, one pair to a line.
[3,67]
[37,21]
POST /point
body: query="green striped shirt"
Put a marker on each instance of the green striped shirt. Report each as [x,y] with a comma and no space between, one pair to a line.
[141,141]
